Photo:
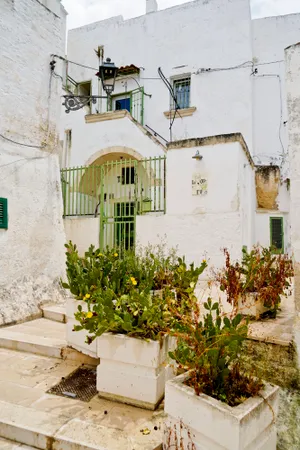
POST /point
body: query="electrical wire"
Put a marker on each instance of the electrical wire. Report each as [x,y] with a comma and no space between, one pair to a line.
[140,87]
[221,69]
[75,63]
[22,144]
[173,95]
[217,69]
[284,153]
[39,147]
[243,65]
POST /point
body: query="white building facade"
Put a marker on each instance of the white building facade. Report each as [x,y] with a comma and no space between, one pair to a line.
[227,73]
[31,227]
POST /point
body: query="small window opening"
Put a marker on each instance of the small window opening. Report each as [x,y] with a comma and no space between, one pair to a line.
[182,91]
[128,175]
[122,102]
[85,89]
[3,213]
[277,235]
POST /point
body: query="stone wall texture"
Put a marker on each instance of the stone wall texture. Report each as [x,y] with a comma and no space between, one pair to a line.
[32,252]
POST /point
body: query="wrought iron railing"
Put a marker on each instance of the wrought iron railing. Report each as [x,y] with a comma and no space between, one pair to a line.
[94,190]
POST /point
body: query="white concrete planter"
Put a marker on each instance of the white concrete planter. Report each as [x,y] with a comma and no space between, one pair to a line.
[213,425]
[251,306]
[133,371]
[76,339]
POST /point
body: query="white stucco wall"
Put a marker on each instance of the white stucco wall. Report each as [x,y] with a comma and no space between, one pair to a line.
[262,219]
[82,231]
[262,228]
[201,226]
[270,37]
[292,58]
[91,140]
[32,252]
[196,38]
[168,39]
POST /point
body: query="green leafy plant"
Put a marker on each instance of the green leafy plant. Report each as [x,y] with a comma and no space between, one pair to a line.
[186,277]
[136,314]
[118,289]
[99,270]
[209,348]
[260,272]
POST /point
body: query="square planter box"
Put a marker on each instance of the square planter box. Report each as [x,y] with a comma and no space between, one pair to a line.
[76,339]
[212,425]
[251,306]
[133,371]
[146,206]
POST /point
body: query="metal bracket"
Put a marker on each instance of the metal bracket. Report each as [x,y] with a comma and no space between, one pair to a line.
[76,102]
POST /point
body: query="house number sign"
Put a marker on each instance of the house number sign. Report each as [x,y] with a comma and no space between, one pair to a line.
[199,184]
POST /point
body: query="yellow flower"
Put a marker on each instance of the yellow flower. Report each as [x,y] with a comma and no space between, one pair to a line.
[133,281]
[89,315]
[116,255]
[100,254]
[204,261]
[87,296]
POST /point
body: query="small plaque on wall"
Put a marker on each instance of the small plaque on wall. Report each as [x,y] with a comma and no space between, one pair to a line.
[199,184]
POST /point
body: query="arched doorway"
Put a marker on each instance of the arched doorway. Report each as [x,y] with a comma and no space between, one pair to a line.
[115,186]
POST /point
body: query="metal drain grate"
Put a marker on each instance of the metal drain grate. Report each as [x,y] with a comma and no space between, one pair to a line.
[80,385]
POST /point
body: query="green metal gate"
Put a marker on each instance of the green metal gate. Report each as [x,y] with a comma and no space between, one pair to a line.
[118,204]
[116,192]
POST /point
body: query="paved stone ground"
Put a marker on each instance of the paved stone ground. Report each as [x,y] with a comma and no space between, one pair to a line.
[24,379]
[288,426]
[276,331]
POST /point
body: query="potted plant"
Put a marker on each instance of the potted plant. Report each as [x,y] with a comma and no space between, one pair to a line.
[123,322]
[146,205]
[255,285]
[214,404]
[130,332]
[86,275]
[95,271]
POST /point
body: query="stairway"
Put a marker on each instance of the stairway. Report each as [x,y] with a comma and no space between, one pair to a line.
[34,357]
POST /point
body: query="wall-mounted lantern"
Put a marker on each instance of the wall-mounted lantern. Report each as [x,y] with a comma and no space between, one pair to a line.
[197,156]
[107,74]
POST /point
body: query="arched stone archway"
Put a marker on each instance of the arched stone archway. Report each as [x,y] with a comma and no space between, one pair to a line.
[114,153]
[116,184]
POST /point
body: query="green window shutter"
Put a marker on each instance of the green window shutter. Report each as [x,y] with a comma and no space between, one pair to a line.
[276,234]
[3,213]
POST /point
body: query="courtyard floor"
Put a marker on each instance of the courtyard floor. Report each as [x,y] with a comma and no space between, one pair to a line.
[28,415]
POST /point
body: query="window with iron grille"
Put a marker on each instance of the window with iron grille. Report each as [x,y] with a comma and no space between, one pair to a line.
[128,175]
[182,91]
[3,213]
[277,235]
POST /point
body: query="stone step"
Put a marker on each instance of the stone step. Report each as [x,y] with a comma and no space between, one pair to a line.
[5,444]
[57,313]
[42,337]
[44,430]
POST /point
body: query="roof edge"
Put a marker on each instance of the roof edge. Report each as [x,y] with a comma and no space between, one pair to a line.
[213,140]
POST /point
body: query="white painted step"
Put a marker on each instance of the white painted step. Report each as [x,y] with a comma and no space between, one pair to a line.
[57,313]
[45,431]
[41,337]
[5,444]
